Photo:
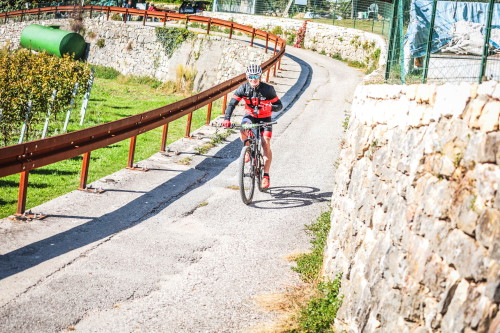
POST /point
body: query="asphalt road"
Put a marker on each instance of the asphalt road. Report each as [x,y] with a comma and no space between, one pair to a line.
[174,249]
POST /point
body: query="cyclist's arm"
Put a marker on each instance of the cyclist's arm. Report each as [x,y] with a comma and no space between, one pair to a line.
[275,101]
[233,102]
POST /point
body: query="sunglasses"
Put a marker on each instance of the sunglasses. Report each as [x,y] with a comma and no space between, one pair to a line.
[253,77]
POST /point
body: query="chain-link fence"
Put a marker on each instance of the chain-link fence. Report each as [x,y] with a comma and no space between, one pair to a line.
[444,41]
[368,15]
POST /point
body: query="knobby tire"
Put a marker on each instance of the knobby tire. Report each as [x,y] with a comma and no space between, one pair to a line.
[246,176]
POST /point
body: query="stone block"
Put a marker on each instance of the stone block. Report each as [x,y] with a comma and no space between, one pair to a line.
[426,93]
[488,228]
[487,88]
[487,183]
[469,258]
[453,319]
[492,289]
[473,111]
[451,100]
[482,148]
[488,120]
[463,214]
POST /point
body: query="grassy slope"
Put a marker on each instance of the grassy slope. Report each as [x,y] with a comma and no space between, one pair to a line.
[110,100]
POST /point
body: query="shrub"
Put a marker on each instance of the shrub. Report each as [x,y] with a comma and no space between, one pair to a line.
[27,76]
[100,43]
[172,38]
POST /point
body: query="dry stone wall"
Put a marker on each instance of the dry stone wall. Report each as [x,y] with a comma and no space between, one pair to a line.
[416,210]
[339,42]
[134,49]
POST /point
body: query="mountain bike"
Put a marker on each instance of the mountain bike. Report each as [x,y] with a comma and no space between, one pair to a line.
[251,162]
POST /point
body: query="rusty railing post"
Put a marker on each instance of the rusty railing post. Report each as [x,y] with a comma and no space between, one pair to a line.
[23,190]
[253,36]
[131,152]
[107,13]
[188,125]
[125,16]
[208,25]
[274,70]
[209,113]
[275,46]
[145,17]
[165,19]
[231,31]
[38,15]
[267,40]
[22,14]
[85,171]
[267,74]
[91,7]
[224,104]
[164,134]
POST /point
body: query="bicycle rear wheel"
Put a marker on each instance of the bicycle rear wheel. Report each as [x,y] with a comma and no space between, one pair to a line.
[246,176]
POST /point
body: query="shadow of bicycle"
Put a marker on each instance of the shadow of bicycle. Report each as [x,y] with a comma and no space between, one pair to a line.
[292,197]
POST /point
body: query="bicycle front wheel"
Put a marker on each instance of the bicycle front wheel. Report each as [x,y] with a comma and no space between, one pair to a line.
[246,175]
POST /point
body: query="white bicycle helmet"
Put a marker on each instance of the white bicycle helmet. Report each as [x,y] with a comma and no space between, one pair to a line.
[253,69]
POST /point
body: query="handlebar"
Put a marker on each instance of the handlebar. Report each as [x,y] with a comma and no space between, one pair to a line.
[247,126]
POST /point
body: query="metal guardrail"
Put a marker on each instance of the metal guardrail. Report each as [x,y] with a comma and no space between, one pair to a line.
[22,158]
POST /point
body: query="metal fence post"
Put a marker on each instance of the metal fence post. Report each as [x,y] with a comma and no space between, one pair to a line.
[486,44]
[253,36]
[164,134]
[131,153]
[392,42]
[231,31]
[23,190]
[429,42]
[224,104]
[208,25]
[188,125]
[209,113]
[267,40]
[85,171]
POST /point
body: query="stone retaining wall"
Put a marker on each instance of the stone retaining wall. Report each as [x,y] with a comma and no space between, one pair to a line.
[416,210]
[134,49]
[346,43]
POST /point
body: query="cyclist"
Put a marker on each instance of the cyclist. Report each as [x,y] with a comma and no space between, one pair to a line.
[260,101]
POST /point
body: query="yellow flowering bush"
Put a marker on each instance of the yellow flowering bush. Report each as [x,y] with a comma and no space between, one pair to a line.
[24,76]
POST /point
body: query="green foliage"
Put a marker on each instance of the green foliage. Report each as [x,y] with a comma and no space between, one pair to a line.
[277,30]
[26,76]
[172,38]
[321,311]
[309,264]
[104,72]
[100,43]
[110,100]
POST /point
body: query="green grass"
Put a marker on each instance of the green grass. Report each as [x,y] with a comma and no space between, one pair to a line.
[320,311]
[111,99]
[309,264]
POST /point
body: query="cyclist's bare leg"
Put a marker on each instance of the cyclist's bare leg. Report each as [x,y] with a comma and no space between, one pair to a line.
[244,136]
[268,154]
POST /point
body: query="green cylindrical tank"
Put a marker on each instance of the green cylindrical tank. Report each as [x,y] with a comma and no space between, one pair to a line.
[53,40]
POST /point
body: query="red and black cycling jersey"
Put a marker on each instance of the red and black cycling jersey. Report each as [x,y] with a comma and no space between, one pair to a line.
[255,99]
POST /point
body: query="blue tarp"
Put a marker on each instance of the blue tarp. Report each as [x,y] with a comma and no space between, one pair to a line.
[447,13]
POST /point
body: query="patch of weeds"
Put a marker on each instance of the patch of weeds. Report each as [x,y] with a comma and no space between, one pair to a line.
[309,264]
[100,43]
[172,38]
[458,159]
[104,72]
[321,311]
[91,34]
[345,124]
[323,52]
[472,205]
[203,204]
[356,64]
[217,139]
[233,187]
[337,163]
[185,161]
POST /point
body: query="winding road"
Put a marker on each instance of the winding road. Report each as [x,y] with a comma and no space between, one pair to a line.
[174,249]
